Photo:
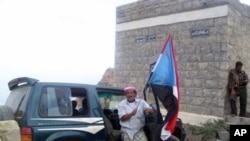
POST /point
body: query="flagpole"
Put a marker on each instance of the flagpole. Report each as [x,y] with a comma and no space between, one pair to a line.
[146,87]
[159,115]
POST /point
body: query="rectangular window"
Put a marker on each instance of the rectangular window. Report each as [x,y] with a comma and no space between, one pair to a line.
[18,99]
[110,100]
[63,101]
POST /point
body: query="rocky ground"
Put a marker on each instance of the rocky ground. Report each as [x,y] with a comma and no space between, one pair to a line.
[220,135]
[217,131]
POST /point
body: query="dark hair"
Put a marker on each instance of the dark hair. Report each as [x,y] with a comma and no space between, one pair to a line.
[74,103]
[238,63]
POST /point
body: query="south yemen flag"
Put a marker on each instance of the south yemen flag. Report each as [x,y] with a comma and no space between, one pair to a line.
[165,85]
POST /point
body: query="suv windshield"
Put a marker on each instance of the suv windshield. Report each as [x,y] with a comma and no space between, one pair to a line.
[18,98]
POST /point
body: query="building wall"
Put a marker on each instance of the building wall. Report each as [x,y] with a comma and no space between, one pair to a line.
[239,47]
[203,61]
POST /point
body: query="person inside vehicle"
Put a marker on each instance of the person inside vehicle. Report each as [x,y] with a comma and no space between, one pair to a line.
[84,109]
[132,113]
[75,111]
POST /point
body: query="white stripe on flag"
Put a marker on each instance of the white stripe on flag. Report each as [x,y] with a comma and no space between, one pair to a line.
[175,92]
[165,134]
[157,62]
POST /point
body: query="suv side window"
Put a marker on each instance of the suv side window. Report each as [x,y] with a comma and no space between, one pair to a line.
[110,100]
[61,101]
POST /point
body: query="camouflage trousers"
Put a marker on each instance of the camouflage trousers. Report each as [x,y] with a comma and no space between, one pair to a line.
[140,136]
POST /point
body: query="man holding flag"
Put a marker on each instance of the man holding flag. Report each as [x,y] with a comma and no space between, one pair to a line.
[132,112]
[165,85]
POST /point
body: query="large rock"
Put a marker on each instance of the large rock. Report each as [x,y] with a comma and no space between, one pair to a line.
[107,78]
[223,135]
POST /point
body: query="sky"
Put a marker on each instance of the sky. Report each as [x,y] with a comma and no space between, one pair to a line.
[57,40]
